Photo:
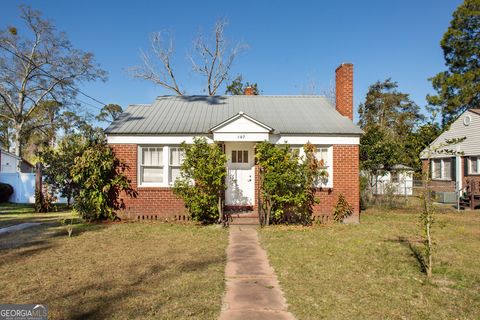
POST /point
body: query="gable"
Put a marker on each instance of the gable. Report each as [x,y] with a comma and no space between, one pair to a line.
[467,125]
[241,127]
[241,123]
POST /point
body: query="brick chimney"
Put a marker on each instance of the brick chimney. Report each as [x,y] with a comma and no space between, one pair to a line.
[344,89]
[248,91]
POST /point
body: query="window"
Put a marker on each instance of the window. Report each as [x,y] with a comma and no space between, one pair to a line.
[151,165]
[176,159]
[474,165]
[239,156]
[442,169]
[394,177]
[323,156]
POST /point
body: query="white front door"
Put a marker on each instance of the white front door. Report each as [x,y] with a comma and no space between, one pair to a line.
[240,173]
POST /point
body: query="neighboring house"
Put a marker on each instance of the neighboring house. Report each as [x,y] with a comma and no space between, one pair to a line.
[398,181]
[452,173]
[147,139]
[11,163]
[18,173]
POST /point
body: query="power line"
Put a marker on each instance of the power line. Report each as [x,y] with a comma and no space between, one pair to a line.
[52,76]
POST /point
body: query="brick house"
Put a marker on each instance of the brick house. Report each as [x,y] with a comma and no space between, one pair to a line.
[452,173]
[147,139]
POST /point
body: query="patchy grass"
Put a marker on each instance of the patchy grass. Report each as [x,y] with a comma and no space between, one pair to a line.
[119,271]
[369,271]
[11,214]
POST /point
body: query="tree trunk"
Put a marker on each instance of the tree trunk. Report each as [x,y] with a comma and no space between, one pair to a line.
[17,136]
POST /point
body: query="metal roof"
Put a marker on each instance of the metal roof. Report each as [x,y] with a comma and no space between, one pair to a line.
[198,114]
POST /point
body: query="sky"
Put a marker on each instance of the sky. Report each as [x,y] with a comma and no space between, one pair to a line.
[291,44]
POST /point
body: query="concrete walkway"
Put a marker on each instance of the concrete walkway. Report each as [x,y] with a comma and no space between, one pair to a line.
[18,227]
[252,291]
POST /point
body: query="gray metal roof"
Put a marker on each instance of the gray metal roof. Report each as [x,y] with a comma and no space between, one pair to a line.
[197,114]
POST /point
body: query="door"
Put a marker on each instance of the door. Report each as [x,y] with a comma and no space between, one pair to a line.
[240,174]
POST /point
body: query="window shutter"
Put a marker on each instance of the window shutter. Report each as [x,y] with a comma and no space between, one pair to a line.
[454,169]
[465,166]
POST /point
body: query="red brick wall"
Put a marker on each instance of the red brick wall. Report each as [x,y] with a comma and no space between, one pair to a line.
[162,203]
[150,203]
[345,181]
[344,89]
[440,185]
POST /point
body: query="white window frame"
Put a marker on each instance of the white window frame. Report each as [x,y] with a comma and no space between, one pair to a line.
[441,162]
[164,167]
[170,165]
[329,163]
[242,152]
[470,160]
[328,166]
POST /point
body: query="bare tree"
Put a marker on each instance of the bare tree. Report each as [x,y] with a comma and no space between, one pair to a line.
[37,66]
[215,57]
[156,63]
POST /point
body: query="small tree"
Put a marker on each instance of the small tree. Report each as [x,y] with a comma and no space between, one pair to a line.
[342,209]
[101,178]
[58,163]
[202,180]
[428,213]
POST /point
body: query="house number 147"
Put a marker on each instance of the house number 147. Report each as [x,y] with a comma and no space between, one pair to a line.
[241,136]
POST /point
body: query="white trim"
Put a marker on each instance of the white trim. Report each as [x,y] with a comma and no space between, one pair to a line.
[239,115]
[155,139]
[240,137]
[314,139]
[276,139]
[165,167]
[469,161]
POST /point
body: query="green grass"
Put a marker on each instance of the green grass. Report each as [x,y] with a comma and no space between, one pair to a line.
[369,271]
[11,214]
[117,271]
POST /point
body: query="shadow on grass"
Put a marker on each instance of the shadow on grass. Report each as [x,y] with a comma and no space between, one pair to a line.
[50,230]
[110,298]
[414,250]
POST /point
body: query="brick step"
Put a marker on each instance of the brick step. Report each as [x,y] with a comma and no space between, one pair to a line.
[244,221]
[243,215]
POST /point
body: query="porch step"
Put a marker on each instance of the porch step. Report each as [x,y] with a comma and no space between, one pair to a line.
[244,221]
[243,215]
[244,218]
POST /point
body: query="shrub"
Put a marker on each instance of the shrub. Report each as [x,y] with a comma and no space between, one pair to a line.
[100,176]
[202,180]
[342,209]
[6,191]
[288,183]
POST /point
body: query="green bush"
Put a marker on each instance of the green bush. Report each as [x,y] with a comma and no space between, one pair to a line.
[100,176]
[202,180]
[342,209]
[6,191]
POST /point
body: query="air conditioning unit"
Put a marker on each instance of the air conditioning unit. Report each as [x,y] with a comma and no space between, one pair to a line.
[446,197]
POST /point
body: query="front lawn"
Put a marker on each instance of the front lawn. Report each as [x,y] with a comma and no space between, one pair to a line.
[369,271]
[119,271]
[11,214]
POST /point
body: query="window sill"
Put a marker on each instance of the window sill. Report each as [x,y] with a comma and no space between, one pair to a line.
[442,179]
[154,185]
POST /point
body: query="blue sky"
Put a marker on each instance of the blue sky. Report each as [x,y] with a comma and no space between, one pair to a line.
[291,43]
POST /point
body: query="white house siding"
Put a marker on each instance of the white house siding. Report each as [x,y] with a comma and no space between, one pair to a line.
[470,146]
[23,186]
[9,163]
